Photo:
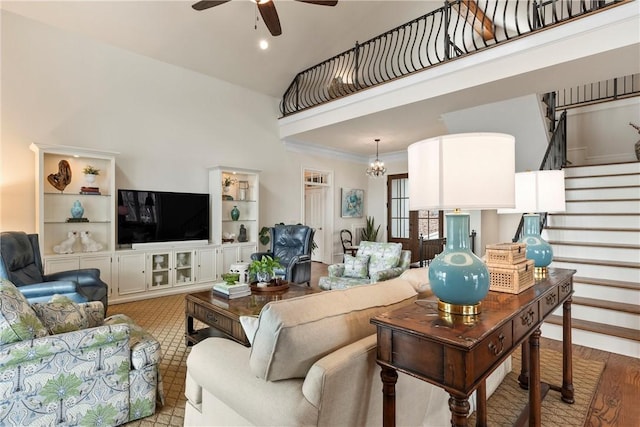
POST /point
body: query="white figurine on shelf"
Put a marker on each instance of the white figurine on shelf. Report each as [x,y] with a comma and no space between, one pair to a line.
[66,246]
[88,244]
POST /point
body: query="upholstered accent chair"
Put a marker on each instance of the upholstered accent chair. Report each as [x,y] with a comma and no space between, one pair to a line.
[63,363]
[20,262]
[291,245]
[373,262]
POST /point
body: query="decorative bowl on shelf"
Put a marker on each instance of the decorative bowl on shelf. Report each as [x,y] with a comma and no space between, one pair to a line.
[230,278]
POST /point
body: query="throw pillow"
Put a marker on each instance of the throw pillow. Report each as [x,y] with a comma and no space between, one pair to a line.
[249,326]
[61,315]
[18,321]
[419,279]
[356,266]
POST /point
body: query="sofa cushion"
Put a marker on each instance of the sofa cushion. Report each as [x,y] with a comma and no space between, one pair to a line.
[145,349]
[18,321]
[356,266]
[293,334]
[61,315]
[419,279]
[249,326]
[381,255]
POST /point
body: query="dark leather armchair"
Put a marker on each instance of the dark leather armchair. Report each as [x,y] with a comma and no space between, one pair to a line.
[20,263]
[291,245]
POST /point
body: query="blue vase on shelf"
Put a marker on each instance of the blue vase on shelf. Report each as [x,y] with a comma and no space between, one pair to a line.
[77,210]
[235,213]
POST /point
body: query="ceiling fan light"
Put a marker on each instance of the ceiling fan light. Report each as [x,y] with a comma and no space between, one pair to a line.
[264,45]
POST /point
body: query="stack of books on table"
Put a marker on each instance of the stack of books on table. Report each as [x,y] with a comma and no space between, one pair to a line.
[90,190]
[228,291]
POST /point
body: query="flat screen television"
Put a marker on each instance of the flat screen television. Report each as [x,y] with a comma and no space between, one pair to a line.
[159,216]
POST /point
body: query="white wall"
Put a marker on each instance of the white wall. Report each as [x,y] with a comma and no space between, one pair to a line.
[168,124]
[601,133]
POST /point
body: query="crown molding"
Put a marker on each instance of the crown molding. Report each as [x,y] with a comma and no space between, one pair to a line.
[318,150]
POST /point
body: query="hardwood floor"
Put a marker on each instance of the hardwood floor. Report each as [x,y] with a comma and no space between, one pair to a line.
[617,398]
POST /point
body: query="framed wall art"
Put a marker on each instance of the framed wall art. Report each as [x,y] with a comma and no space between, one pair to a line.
[352,203]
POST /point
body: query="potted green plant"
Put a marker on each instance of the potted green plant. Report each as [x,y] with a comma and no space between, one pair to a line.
[263,269]
[370,232]
[90,173]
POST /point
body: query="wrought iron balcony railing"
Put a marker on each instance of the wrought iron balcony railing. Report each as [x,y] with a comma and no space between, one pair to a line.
[459,28]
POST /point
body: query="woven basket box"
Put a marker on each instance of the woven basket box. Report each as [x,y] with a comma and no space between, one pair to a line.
[512,279]
[506,253]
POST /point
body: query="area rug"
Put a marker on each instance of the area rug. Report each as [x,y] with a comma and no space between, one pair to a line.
[505,405]
[164,318]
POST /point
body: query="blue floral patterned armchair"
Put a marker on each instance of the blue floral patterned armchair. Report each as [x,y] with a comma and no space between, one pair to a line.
[373,262]
[62,363]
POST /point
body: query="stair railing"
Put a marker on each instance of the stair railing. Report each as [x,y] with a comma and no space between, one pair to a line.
[459,28]
[555,158]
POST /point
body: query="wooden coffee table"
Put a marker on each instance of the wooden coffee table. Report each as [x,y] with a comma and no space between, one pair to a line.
[223,315]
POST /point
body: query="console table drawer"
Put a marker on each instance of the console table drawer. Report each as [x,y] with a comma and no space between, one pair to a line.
[212,318]
[565,288]
[549,301]
[493,348]
[525,322]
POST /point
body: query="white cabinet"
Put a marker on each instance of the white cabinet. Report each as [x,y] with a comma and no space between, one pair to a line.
[242,196]
[206,270]
[131,274]
[101,261]
[61,186]
[170,268]
[233,253]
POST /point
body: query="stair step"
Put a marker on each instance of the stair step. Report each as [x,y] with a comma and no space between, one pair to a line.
[588,249]
[594,181]
[627,235]
[595,244]
[622,168]
[607,282]
[598,262]
[607,229]
[600,328]
[602,193]
[591,220]
[612,205]
[600,270]
[608,305]
[632,199]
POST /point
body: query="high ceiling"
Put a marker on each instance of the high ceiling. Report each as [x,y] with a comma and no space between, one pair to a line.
[222,42]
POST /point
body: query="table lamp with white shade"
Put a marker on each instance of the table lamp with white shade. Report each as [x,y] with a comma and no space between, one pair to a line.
[461,171]
[536,192]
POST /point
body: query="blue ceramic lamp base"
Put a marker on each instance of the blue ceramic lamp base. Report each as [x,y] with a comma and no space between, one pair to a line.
[538,249]
[457,276]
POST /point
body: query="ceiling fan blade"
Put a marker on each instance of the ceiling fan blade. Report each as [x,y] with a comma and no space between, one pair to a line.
[321,2]
[270,17]
[206,4]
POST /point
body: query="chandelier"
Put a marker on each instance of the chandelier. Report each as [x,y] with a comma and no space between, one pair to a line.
[376,168]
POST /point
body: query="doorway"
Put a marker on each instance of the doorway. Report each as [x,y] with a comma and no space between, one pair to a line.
[317,210]
[405,226]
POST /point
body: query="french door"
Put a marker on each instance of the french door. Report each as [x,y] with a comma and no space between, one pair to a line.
[405,226]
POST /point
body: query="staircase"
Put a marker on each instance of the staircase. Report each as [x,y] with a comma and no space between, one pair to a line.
[599,237]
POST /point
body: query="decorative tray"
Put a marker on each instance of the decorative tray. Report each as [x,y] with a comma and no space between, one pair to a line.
[271,288]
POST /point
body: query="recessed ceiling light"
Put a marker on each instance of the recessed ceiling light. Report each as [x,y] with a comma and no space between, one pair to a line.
[263,44]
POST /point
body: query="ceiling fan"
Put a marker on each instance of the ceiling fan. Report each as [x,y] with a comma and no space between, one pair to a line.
[267,10]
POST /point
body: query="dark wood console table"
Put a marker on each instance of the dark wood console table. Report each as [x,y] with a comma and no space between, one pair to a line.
[459,352]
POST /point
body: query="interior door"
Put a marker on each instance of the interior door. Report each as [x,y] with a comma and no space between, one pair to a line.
[399,224]
[314,218]
[405,226]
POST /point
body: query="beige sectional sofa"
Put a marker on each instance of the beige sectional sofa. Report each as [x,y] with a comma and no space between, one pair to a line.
[312,363]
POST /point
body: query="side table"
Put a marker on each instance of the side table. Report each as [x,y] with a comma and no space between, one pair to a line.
[458,352]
